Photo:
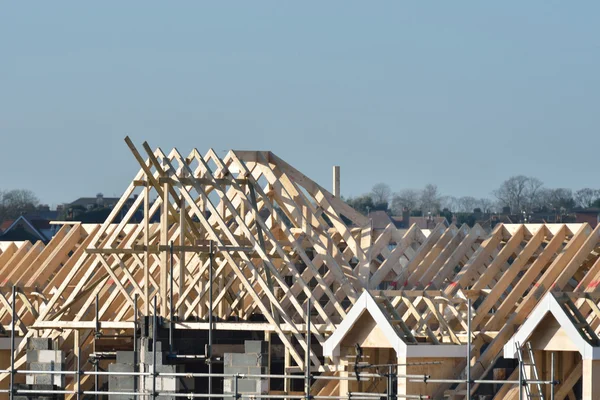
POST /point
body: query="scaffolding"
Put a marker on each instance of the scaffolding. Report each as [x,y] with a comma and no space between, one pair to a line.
[391,376]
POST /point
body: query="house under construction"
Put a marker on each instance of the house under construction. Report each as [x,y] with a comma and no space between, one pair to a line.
[237,258]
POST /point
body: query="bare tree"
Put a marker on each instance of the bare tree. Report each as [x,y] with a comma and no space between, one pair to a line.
[520,193]
[381,193]
[532,193]
[511,192]
[557,199]
[16,203]
[431,199]
[486,205]
[449,202]
[586,197]
[408,198]
[467,204]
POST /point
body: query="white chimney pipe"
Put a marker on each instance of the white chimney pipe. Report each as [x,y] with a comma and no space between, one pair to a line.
[336,180]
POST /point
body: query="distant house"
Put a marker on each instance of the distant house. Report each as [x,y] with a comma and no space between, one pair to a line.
[489,221]
[24,228]
[44,212]
[97,209]
[589,215]
[406,221]
[99,201]
[380,220]
[428,222]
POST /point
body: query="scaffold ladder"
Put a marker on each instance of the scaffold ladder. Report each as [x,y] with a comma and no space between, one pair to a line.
[533,376]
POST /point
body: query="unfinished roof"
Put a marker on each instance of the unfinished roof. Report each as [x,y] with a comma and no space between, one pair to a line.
[281,239]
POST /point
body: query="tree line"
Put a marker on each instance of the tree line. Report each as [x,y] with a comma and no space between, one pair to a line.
[14,203]
[518,194]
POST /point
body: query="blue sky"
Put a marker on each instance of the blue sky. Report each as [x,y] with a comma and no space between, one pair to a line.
[460,94]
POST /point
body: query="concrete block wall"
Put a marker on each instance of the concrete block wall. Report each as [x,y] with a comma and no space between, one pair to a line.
[121,383]
[125,362]
[254,361]
[163,384]
[45,360]
[41,357]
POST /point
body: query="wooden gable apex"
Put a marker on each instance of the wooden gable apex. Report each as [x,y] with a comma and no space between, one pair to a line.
[351,326]
[365,303]
[566,331]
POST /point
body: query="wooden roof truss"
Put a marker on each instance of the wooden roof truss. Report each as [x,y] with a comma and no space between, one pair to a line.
[280,240]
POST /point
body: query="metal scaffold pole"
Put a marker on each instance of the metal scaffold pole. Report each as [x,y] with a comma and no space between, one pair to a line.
[210,315]
[78,344]
[390,383]
[96,335]
[12,345]
[135,344]
[469,348]
[154,343]
[552,376]
[171,299]
[520,380]
[236,394]
[307,361]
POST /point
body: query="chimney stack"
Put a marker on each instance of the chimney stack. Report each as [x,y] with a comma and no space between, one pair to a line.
[336,181]
[405,217]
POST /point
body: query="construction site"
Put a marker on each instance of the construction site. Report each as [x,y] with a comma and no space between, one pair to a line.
[247,279]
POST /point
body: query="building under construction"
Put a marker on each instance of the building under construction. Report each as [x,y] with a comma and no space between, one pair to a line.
[245,278]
